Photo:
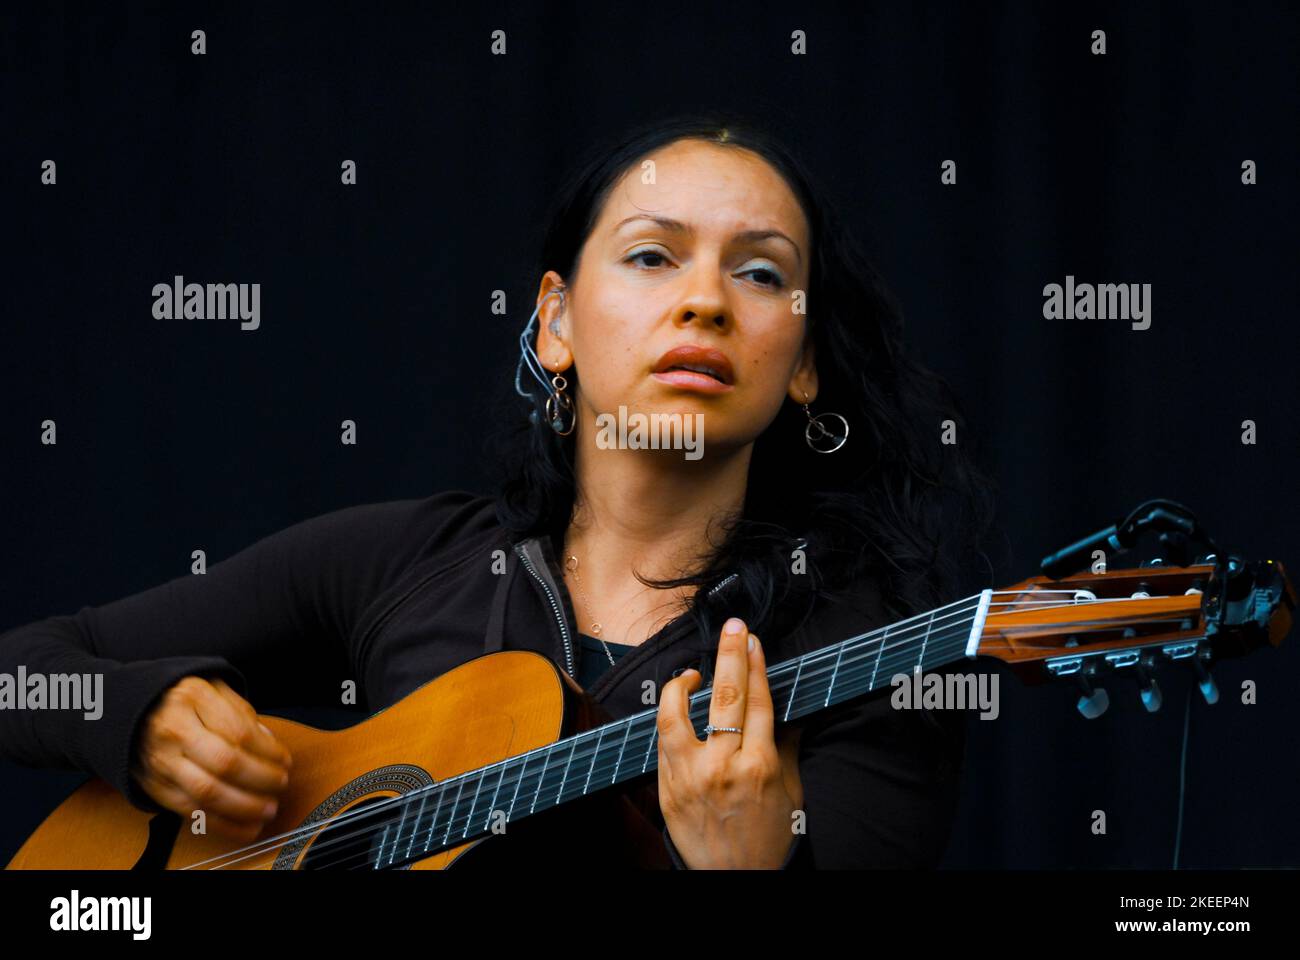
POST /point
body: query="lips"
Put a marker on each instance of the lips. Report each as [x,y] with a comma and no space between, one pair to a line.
[706,362]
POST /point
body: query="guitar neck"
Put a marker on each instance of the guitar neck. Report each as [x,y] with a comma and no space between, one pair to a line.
[468,805]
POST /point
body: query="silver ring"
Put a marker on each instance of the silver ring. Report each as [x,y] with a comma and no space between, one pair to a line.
[711,729]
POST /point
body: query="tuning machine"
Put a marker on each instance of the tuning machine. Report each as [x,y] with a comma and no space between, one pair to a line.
[1204,682]
[1093,700]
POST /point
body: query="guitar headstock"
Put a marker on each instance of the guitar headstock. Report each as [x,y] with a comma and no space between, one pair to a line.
[1090,627]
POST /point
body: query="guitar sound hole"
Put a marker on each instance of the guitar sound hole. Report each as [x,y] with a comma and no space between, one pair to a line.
[363,840]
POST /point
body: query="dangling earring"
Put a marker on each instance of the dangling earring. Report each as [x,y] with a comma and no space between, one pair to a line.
[528,357]
[816,431]
[557,401]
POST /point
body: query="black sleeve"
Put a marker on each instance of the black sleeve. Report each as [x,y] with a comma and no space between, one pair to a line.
[275,620]
[880,786]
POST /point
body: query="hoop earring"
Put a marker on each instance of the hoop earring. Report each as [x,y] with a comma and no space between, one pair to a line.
[817,431]
[557,401]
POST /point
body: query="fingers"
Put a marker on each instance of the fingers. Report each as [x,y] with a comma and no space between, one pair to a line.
[220,753]
[215,797]
[262,741]
[759,713]
[177,800]
[728,698]
[676,732]
[224,737]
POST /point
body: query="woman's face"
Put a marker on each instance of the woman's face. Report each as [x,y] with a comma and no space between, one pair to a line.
[708,253]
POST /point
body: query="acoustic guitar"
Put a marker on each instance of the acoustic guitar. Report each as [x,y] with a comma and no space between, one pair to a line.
[483,765]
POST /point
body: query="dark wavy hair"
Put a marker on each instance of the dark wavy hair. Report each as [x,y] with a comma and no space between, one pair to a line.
[893,503]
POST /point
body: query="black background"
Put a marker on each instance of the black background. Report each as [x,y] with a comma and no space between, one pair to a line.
[1123,168]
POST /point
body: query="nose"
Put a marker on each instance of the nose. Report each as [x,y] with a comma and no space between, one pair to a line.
[704,301]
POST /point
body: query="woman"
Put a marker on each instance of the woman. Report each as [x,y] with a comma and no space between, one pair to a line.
[691,271]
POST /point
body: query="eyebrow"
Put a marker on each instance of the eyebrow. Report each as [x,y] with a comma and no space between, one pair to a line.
[676,226]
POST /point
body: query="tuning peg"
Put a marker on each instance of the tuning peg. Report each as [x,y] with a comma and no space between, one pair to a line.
[1093,701]
[1209,689]
[1151,698]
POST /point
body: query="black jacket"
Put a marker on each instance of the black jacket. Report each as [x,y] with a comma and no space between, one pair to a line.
[390,595]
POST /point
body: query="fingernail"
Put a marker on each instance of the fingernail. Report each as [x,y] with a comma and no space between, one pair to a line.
[266,730]
[269,812]
[734,625]
[751,641]
[284,779]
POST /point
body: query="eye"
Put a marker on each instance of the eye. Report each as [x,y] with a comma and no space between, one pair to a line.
[637,254]
[775,283]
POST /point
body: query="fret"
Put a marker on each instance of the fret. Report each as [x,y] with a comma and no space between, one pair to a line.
[379,857]
[928,627]
[559,794]
[879,650]
[621,748]
[539,781]
[451,817]
[518,783]
[595,755]
[835,671]
[492,805]
[428,841]
[651,745]
[794,686]
[469,817]
[391,830]
[424,796]
[551,794]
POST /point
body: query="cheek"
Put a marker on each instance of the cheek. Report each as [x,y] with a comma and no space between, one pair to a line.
[611,359]
[773,360]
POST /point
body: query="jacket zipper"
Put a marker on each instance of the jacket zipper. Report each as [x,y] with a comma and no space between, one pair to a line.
[722,583]
[555,607]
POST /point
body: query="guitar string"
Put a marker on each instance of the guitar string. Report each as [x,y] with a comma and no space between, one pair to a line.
[369,812]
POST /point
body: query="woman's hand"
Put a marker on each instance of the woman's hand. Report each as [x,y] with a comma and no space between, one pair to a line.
[203,748]
[728,800]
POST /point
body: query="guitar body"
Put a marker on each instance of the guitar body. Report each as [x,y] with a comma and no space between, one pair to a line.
[481,712]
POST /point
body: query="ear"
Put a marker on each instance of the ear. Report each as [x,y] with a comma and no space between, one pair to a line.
[553,330]
[803,383]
